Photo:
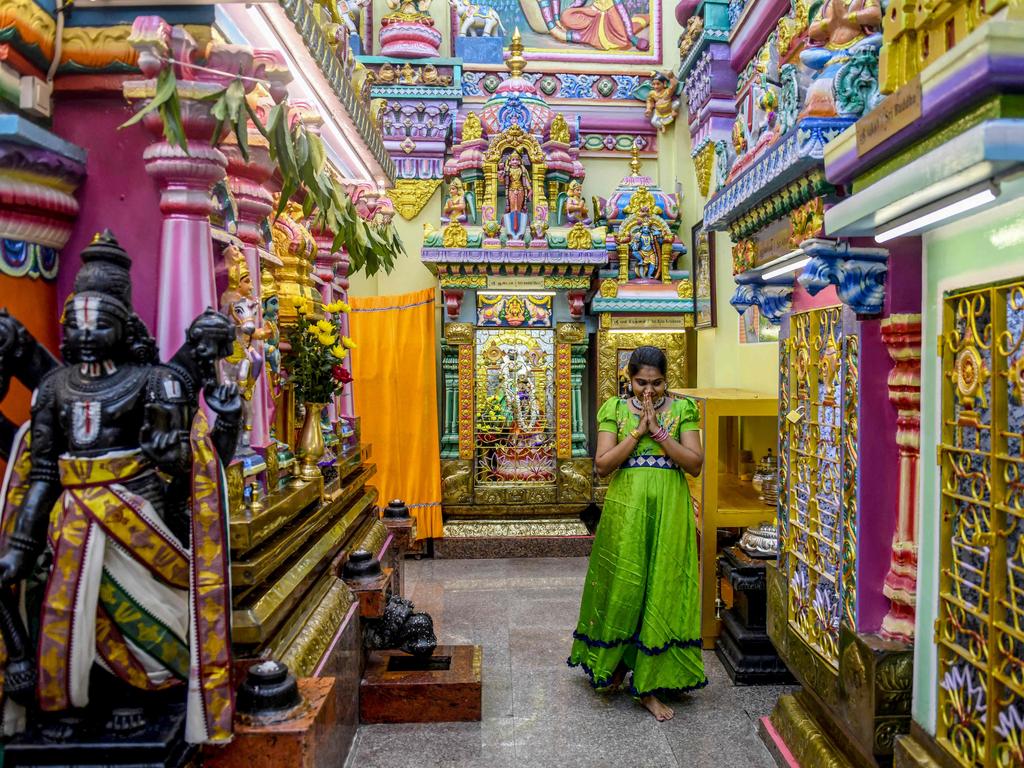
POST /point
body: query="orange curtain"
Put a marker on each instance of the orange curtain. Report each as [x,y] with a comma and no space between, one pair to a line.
[394,378]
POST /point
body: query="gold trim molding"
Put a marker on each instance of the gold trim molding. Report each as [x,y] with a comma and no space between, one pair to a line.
[609,344]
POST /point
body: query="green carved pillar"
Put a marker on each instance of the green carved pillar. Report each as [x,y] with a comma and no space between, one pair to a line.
[450,415]
[579,428]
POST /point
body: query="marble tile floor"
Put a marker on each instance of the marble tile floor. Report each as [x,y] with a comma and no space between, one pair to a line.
[536,710]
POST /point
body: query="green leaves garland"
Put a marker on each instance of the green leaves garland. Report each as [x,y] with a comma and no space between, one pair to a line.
[301,161]
[166,101]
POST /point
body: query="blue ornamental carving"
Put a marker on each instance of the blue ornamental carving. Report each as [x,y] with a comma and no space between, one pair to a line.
[857,273]
[513,112]
[773,297]
[577,86]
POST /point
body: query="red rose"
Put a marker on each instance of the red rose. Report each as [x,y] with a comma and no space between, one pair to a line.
[341,374]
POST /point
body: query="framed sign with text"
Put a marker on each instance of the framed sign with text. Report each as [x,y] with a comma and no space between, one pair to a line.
[703,250]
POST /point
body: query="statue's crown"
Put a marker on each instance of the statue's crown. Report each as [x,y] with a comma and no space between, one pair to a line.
[106,269]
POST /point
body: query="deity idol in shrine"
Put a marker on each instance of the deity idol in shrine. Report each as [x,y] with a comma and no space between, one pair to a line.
[118,480]
[575,205]
[644,250]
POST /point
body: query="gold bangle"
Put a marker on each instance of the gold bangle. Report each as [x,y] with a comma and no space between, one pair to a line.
[635,434]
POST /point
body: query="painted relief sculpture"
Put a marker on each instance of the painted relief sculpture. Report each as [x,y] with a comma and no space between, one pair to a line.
[120,535]
[843,54]
[477,20]
[408,31]
[603,24]
[661,99]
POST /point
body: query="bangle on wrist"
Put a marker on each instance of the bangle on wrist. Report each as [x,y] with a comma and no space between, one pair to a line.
[635,434]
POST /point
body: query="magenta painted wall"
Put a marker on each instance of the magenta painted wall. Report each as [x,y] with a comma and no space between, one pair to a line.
[803,301]
[117,192]
[878,486]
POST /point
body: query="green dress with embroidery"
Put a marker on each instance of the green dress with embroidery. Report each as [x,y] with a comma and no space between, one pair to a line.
[641,600]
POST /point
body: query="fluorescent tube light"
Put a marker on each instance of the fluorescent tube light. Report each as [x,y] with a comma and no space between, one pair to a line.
[791,267]
[922,220]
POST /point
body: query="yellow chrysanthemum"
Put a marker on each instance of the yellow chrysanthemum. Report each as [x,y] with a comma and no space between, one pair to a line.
[325,326]
[339,352]
[302,309]
[349,344]
[342,306]
[327,340]
[334,306]
[298,301]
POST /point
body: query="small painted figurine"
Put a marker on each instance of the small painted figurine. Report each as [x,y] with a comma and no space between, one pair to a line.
[455,205]
[118,480]
[410,9]
[643,249]
[662,103]
[244,365]
[575,205]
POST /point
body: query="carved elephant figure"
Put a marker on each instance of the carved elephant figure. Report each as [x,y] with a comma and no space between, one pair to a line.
[477,20]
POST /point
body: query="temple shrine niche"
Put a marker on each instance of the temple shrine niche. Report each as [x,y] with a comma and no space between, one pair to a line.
[642,297]
[514,255]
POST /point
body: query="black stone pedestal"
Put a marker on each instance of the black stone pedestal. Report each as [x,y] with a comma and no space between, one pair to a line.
[160,744]
[743,646]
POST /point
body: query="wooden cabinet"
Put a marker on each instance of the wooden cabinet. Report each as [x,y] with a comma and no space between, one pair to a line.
[722,499]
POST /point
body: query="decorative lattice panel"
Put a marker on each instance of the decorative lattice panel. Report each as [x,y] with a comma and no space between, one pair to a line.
[980,629]
[818,473]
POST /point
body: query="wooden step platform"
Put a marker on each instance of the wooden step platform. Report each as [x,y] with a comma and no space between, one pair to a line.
[399,688]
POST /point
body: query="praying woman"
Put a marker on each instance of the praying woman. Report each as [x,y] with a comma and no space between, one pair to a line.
[640,611]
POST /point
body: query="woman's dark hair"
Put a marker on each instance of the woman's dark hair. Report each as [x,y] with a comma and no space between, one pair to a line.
[651,356]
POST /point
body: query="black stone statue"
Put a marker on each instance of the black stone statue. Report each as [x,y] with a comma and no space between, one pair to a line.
[21,358]
[103,516]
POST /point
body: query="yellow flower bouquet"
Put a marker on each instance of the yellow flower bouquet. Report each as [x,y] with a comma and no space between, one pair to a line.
[318,351]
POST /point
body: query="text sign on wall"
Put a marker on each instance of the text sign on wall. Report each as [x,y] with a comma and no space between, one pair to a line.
[896,112]
[648,323]
[513,283]
[774,241]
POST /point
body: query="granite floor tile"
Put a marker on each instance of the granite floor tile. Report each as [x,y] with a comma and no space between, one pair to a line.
[536,710]
[491,742]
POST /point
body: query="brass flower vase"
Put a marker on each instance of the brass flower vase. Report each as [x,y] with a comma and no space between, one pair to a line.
[311,442]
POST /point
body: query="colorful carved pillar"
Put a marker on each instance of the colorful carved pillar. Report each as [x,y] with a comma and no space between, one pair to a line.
[342,264]
[185,177]
[902,337]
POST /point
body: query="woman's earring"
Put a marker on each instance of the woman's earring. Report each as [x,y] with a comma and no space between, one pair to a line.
[629,388]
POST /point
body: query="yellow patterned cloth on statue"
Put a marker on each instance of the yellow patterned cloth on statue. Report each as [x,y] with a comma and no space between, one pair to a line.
[123,591]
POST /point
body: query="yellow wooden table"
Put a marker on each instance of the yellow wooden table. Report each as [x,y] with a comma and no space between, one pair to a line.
[722,498]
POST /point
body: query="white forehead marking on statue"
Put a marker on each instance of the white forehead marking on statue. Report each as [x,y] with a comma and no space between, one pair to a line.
[86,308]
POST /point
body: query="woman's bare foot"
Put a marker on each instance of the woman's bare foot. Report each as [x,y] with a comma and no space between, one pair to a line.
[618,677]
[661,711]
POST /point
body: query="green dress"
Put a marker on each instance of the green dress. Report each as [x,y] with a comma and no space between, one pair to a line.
[641,600]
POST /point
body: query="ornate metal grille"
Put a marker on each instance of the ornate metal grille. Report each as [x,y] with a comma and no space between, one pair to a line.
[980,629]
[819,437]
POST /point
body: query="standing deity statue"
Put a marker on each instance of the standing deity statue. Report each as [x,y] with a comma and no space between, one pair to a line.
[516,180]
[117,482]
[244,365]
[662,102]
[644,250]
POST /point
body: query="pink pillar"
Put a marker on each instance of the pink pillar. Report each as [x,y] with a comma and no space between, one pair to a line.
[341,267]
[186,276]
[186,282]
[902,337]
[326,258]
